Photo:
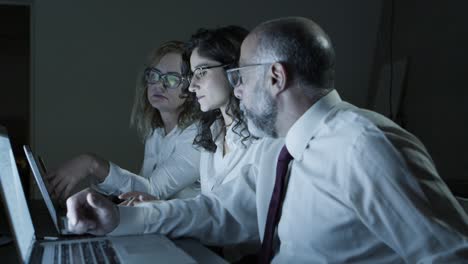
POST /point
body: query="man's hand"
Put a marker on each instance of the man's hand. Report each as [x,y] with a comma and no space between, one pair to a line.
[90,212]
[133,198]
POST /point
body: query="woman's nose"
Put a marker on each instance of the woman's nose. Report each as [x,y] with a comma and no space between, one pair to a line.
[157,86]
[193,85]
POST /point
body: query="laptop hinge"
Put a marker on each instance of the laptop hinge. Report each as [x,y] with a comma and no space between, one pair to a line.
[37,253]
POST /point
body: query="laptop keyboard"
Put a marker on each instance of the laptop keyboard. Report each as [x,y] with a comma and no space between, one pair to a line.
[100,251]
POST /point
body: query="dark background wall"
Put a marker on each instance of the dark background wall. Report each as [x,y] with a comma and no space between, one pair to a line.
[434,34]
[86,54]
[15,78]
[430,38]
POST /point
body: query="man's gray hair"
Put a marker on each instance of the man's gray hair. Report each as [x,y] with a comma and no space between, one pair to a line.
[302,46]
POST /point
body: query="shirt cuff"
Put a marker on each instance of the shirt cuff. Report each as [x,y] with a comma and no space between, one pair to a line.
[132,221]
[113,180]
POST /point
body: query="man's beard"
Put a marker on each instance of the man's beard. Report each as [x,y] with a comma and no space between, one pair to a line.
[261,122]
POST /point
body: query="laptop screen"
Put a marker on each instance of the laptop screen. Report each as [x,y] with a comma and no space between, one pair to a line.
[38,175]
[14,199]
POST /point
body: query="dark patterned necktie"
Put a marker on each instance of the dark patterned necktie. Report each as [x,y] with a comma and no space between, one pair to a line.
[266,252]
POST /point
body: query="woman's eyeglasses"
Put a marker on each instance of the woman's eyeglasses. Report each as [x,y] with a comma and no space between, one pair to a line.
[200,71]
[169,80]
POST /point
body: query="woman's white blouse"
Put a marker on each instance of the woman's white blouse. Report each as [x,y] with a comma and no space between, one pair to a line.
[170,167]
[216,169]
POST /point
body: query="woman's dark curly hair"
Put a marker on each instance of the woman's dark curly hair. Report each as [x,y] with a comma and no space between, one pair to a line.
[222,45]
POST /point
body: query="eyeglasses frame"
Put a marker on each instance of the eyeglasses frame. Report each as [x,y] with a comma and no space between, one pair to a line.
[182,78]
[238,69]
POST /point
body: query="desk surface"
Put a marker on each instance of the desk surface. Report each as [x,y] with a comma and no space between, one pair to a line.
[44,226]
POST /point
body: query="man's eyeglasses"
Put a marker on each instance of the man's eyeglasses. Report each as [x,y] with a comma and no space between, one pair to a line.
[169,80]
[234,76]
[199,72]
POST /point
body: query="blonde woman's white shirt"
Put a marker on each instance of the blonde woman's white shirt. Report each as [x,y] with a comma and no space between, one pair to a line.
[170,167]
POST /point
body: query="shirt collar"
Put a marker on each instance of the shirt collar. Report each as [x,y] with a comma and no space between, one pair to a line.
[233,140]
[216,127]
[307,125]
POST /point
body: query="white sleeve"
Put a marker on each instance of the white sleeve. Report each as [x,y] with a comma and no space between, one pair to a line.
[399,196]
[226,216]
[179,171]
[117,181]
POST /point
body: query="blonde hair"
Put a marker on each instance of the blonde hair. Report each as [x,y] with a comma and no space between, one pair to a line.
[144,116]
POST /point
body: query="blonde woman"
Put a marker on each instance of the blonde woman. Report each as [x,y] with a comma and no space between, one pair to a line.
[166,118]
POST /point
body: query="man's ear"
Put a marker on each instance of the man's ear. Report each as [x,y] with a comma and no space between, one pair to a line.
[278,78]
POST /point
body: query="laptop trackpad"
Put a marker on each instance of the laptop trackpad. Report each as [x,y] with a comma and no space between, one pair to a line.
[149,247]
[141,248]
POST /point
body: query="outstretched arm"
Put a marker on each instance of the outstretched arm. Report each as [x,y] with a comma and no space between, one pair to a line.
[226,216]
[178,171]
[83,168]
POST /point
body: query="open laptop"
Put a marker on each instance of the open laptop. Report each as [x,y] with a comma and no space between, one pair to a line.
[59,220]
[124,249]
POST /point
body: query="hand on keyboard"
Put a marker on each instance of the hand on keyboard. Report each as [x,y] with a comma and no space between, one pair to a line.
[90,212]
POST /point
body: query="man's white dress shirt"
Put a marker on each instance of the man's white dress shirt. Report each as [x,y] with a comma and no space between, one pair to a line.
[170,167]
[360,190]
